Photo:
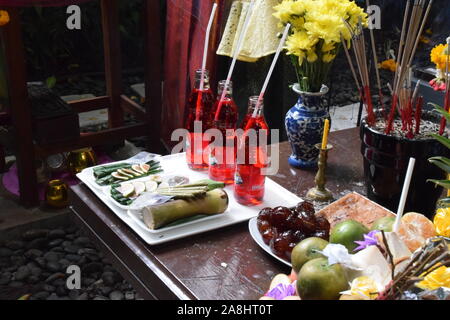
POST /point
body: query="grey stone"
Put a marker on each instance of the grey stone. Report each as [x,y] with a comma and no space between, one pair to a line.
[18,260]
[92,257]
[53,296]
[87,281]
[41,262]
[93,267]
[56,233]
[36,271]
[59,282]
[42,295]
[55,276]
[57,249]
[34,234]
[105,290]
[83,241]
[22,273]
[129,295]
[109,278]
[33,254]
[15,244]
[16,284]
[66,243]
[100,298]
[87,251]
[83,296]
[72,248]
[70,236]
[52,256]
[39,243]
[73,257]
[61,291]
[6,252]
[4,279]
[116,295]
[55,242]
[53,266]
[33,279]
[48,288]
[74,294]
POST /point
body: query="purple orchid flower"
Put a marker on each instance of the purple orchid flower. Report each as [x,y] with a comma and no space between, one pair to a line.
[370,239]
[282,291]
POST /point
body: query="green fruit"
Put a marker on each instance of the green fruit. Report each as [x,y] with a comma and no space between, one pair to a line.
[307,250]
[317,280]
[383,224]
[347,232]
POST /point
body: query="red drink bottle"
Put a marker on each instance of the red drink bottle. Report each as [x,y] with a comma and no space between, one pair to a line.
[223,152]
[251,157]
[199,111]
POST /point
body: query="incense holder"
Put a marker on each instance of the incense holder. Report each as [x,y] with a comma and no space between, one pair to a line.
[304,127]
[385,159]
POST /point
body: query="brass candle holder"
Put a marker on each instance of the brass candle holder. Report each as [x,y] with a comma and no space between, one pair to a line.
[320,192]
[56,194]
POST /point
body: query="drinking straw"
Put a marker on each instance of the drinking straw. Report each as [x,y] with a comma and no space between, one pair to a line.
[205,49]
[205,56]
[406,184]
[272,67]
[235,55]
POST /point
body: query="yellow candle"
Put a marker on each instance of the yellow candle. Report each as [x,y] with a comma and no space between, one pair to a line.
[325,134]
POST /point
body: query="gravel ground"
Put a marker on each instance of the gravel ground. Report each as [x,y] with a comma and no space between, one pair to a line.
[36,264]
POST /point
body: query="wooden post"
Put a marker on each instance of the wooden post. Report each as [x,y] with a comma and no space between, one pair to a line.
[153,73]
[20,109]
[113,66]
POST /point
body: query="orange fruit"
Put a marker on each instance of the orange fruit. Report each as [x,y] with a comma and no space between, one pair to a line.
[415,229]
[442,222]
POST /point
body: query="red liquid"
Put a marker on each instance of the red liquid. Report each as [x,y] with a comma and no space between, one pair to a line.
[223,155]
[222,163]
[249,180]
[199,107]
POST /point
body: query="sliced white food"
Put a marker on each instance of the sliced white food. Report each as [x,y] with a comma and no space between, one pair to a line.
[127,189]
[131,172]
[151,186]
[117,175]
[145,167]
[139,187]
[124,173]
[137,168]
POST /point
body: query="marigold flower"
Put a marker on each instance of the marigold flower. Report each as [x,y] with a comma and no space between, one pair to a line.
[4,17]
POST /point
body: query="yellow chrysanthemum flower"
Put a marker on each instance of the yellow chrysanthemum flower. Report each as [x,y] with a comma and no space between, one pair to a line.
[327,58]
[442,222]
[311,56]
[283,11]
[364,287]
[436,279]
[439,56]
[4,17]
[389,64]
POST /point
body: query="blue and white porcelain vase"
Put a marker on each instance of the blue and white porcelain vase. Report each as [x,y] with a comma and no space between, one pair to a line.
[304,126]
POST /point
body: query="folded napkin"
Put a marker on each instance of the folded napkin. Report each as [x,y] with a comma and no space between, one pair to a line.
[261,38]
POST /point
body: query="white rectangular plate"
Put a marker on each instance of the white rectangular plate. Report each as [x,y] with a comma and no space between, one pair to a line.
[275,195]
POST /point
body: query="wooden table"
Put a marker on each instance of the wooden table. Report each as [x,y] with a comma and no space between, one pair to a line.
[223,264]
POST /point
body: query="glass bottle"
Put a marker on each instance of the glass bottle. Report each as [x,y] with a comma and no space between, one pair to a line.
[198,120]
[223,151]
[249,180]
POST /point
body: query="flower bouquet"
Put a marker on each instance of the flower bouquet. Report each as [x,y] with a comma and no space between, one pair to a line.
[318,28]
